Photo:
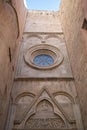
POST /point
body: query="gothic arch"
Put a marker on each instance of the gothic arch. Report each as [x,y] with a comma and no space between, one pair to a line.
[66,95]
[22,95]
[53,36]
[51,104]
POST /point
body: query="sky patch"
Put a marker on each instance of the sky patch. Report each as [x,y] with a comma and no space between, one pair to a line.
[51,5]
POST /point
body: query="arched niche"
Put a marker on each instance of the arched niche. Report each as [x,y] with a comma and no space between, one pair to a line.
[31,40]
[44,117]
[66,101]
[55,39]
[23,102]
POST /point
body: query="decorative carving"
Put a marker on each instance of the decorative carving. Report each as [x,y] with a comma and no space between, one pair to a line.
[22,106]
[34,36]
[25,99]
[45,117]
[66,102]
[46,50]
[53,46]
[55,38]
[45,123]
[44,105]
[45,112]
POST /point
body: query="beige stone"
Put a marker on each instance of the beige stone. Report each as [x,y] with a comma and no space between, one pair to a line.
[43,97]
[50,91]
[8,43]
[76,42]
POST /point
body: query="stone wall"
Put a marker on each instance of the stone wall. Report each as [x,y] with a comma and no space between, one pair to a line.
[21,14]
[8,40]
[8,23]
[72,19]
[43,21]
[34,82]
[84,5]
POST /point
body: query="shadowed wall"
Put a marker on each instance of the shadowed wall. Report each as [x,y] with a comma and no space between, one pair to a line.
[8,43]
[72,18]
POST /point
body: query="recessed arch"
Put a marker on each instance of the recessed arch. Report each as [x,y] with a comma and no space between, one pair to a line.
[45,99]
[45,112]
[65,100]
[56,39]
[23,95]
[34,35]
[52,36]
[66,95]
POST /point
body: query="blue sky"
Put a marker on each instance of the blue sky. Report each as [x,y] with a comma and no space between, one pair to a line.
[43,4]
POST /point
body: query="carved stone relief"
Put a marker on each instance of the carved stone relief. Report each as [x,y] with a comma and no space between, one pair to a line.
[31,41]
[44,98]
[26,71]
[43,112]
[56,39]
[44,117]
[53,123]
[55,87]
[65,102]
[21,107]
[47,50]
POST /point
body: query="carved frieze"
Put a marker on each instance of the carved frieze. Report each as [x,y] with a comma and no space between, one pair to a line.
[43,113]
[54,123]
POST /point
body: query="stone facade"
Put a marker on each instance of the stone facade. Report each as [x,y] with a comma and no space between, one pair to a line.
[43,97]
[12,21]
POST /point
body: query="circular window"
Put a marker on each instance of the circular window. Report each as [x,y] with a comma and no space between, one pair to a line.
[43,60]
[43,56]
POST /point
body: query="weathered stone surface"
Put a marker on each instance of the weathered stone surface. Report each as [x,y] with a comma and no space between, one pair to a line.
[76,40]
[54,43]
[21,14]
[8,23]
[43,99]
[43,21]
[8,41]
[24,92]
[84,5]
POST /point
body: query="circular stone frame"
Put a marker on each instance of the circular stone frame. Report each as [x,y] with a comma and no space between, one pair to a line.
[43,49]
